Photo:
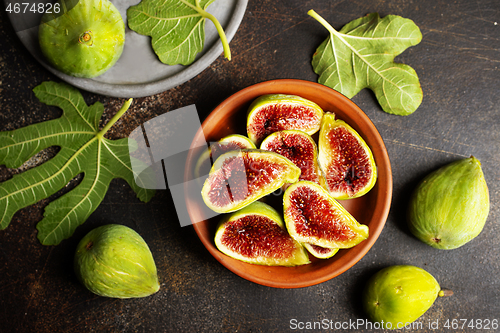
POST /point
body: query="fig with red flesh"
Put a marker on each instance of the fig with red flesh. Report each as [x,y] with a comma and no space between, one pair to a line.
[227,143]
[239,178]
[277,112]
[256,234]
[320,252]
[299,148]
[345,159]
[313,216]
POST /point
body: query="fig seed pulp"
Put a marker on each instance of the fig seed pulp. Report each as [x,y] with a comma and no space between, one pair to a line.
[254,236]
[345,159]
[313,216]
[277,112]
[239,178]
[299,148]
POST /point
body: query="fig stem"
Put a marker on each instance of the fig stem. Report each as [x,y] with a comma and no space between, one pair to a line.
[86,38]
[115,118]
[445,292]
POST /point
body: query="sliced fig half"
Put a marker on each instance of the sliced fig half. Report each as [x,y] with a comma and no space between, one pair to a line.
[300,148]
[256,234]
[227,143]
[278,112]
[320,252]
[313,216]
[345,159]
[239,178]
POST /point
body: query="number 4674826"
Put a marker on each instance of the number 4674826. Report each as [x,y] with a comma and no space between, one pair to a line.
[28,7]
[480,324]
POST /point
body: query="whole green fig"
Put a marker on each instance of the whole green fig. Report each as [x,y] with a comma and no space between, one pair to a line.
[450,206]
[398,295]
[115,261]
[84,39]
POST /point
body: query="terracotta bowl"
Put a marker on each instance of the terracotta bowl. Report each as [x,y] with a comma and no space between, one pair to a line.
[371,209]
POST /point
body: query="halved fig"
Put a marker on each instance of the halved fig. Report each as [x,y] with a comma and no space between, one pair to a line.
[239,178]
[227,143]
[299,148]
[320,252]
[256,234]
[345,159]
[313,216]
[278,112]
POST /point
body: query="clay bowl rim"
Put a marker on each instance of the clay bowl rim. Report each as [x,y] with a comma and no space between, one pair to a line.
[217,125]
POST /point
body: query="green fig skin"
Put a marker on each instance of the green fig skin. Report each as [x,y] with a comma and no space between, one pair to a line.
[114,261]
[399,295]
[86,40]
[450,206]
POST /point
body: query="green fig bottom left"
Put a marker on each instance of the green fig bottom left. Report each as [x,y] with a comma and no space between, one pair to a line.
[398,295]
[114,261]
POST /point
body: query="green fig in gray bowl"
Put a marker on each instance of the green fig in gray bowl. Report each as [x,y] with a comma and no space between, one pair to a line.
[114,261]
[450,206]
[84,39]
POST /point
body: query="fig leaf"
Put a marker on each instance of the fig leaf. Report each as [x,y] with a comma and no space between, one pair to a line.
[83,149]
[177,28]
[361,55]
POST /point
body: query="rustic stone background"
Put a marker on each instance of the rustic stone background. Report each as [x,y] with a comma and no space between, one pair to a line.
[458,64]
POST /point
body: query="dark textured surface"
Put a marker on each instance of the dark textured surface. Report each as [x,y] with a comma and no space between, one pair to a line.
[458,64]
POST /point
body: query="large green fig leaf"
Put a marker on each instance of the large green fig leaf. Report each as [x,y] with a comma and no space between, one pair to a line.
[177,28]
[361,55]
[83,149]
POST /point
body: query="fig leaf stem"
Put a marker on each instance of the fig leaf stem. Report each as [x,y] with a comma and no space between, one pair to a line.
[220,30]
[115,118]
[323,22]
